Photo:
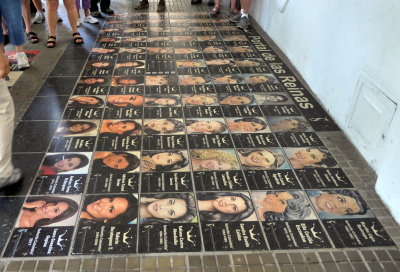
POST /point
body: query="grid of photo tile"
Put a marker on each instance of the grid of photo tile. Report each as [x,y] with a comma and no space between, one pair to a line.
[185,134]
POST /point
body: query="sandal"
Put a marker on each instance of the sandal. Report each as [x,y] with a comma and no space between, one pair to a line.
[214,11]
[32,36]
[142,5]
[235,11]
[77,38]
[51,43]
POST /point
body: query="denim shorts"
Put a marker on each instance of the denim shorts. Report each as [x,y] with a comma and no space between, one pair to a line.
[12,12]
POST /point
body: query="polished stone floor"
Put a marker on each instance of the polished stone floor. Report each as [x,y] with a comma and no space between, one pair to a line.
[177,132]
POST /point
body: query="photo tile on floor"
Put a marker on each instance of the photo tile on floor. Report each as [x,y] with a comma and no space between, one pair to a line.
[184,134]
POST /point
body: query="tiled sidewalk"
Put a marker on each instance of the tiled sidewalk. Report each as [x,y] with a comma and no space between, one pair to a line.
[34,134]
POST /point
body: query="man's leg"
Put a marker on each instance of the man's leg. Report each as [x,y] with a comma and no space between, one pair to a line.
[244,21]
[105,7]
[143,4]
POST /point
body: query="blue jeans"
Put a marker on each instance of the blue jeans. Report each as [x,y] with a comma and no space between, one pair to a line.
[12,12]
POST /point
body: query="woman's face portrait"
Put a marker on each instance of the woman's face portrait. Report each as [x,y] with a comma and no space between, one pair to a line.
[247,63]
[235,100]
[52,210]
[131,50]
[166,158]
[183,38]
[116,161]
[275,202]
[337,204]
[226,80]
[191,80]
[130,64]
[106,39]
[125,100]
[287,124]
[186,50]
[127,81]
[274,98]
[245,126]
[229,204]
[107,208]
[103,50]
[241,49]
[157,39]
[168,208]
[85,100]
[100,64]
[264,159]
[78,128]
[213,49]
[213,164]
[219,62]
[199,100]
[156,80]
[120,127]
[238,38]
[161,125]
[92,80]
[165,101]
[308,156]
[259,79]
[132,30]
[188,63]
[159,50]
[206,38]
[67,164]
[206,126]
[134,39]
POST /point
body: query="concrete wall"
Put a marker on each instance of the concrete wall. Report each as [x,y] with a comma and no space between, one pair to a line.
[337,46]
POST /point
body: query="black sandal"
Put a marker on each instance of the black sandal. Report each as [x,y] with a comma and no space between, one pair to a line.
[51,44]
[32,36]
[77,38]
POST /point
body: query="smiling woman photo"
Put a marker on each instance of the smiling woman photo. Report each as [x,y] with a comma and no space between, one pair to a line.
[46,210]
[163,161]
[167,208]
[115,162]
[61,163]
[260,159]
[109,209]
[213,159]
[120,127]
[71,128]
[224,206]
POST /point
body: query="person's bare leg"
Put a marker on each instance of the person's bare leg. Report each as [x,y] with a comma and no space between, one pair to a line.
[245,5]
[51,12]
[234,8]
[38,5]
[72,13]
[26,14]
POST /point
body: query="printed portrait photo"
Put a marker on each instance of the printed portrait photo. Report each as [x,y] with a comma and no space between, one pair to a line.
[121,127]
[262,159]
[248,125]
[116,162]
[49,211]
[310,157]
[199,100]
[206,126]
[124,101]
[75,128]
[289,124]
[282,206]
[214,160]
[161,161]
[161,100]
[163,126]
[65,163]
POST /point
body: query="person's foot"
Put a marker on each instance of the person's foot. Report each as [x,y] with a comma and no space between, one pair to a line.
[243,22]
[214,11]
[96,14]
[14,178]
[142,5]
[108,11]
[236,18]
[78,22]
[22,60]
[39,18]
[90,19]
[59,19]
[194,2]
[161,6]
[210,2]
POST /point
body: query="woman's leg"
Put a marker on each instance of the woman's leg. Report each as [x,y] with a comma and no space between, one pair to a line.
[245,4]
[39,17]
[26,14]
[78,7]
[51,11]
[72,14]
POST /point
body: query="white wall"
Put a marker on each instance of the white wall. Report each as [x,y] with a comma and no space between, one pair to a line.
[332,43]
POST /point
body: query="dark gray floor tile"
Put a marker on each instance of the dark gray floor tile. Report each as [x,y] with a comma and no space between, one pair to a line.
[57,86]
[33,136]
[46,108]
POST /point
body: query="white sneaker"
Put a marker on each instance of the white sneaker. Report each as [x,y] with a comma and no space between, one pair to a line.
[22,60]
[39,18]
[90,19]
[14,178]
[79,22]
